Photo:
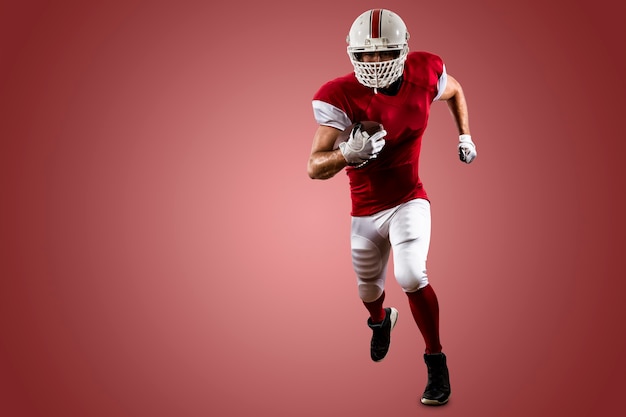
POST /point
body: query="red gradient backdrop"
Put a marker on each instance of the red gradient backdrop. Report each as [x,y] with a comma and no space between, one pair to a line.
[163,252]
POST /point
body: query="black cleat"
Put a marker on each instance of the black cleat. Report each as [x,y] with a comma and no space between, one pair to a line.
[382,334]
[437,390]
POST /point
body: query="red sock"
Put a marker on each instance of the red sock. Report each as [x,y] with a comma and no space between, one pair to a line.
[425,309]
[377,313]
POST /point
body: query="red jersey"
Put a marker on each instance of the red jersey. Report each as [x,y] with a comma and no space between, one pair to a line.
[393,177]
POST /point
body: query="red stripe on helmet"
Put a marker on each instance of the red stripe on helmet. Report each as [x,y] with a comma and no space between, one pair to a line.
[375,23]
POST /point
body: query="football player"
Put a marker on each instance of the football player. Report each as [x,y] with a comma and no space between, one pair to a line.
[390,207]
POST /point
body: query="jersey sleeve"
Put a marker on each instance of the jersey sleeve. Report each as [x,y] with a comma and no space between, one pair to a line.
[328,115]
[429,71]
[330,106]
[442,81]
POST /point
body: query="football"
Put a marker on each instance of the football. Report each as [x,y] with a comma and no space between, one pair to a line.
[368,126]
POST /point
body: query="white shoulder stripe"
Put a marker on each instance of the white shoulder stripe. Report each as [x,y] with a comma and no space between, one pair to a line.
[441,84]
[329,115]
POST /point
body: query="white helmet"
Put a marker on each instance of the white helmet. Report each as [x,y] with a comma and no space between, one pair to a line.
[378,30]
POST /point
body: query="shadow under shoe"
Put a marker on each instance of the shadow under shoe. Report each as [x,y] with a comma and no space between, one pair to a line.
[381,337]
[437,390]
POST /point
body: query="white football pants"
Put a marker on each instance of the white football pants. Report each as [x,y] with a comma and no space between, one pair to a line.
[406,229]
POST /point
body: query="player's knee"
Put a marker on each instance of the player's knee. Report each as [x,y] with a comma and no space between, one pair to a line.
[411,279]
[370,291]
[369,267]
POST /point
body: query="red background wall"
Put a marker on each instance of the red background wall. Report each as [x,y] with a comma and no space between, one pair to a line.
[164,253]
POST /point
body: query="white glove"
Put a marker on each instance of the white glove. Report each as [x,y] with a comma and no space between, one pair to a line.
[361,147]
[467,149]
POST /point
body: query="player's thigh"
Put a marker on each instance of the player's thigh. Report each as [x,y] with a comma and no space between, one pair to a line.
[410,237]
[370,249]
[411,221]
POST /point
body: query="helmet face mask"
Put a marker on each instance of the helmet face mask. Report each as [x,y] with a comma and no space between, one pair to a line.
[383,32]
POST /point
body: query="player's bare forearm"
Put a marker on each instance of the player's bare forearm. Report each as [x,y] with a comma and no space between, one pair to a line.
[324,165]
[458,108]
[325,161]
[457,104]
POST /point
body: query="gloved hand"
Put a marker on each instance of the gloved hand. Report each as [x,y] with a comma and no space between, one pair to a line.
[467,149]
[361,147]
